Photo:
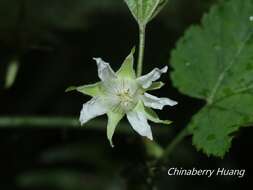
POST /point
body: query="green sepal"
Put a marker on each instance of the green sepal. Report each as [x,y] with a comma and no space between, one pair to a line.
[151,115]
[127,68]
[155,86]
[90,90]
[113,120]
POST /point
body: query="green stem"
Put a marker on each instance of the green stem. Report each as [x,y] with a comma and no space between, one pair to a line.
[7,122]
[169,149]
[153,149]
[35,121]
[142,31]
[47,122]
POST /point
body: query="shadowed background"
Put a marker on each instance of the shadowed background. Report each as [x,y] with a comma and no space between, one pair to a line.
[53,42]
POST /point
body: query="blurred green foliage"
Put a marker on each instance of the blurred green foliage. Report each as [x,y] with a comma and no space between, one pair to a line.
[11,73]
[69,180]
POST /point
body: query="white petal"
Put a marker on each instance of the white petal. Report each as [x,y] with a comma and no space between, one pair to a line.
[105,71]
[146,80]
[155,102]
[140,124]
[91,109]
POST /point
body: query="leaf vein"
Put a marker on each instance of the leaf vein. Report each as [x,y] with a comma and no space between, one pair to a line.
[230,65]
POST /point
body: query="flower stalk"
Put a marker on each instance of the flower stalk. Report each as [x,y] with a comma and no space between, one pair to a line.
[142,32]
[152,148]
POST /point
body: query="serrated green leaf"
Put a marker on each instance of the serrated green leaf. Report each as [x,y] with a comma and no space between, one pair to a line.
[214,62]
[212,128]
[145,10]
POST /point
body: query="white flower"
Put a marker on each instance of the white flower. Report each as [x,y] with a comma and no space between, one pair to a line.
[121,93]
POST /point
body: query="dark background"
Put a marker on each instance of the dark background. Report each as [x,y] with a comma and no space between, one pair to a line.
[54,42]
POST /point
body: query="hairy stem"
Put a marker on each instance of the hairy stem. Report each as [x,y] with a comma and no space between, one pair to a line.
[142,31]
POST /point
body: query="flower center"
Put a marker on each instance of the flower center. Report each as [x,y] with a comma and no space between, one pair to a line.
[121,95]
[125,97]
